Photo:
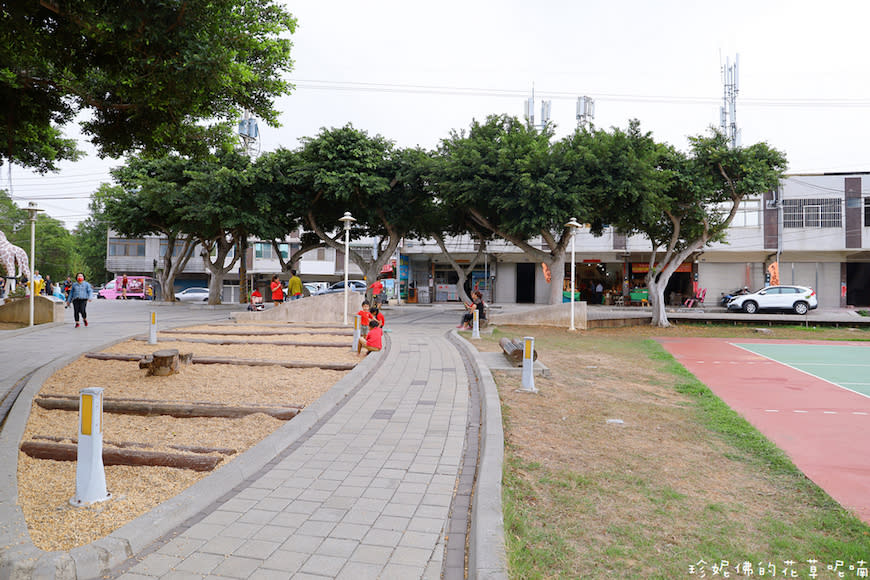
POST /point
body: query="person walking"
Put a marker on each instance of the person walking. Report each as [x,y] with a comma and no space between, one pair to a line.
[294,286]
[277,290]
[80,294]
[124,287]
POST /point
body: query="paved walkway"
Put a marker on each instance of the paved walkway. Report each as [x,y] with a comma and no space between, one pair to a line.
[374,480]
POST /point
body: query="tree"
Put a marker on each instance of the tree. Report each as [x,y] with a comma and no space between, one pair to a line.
[343,170]
[682,202]
[90,238]
[150,74]
[153,197]
[511,182]
[55,247]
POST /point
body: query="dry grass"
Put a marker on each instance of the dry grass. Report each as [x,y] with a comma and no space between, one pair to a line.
[638,497]
[45,487]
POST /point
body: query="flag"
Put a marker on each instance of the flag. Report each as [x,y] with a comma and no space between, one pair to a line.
[773,270]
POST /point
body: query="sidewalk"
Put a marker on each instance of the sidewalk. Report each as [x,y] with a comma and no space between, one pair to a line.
[373,480]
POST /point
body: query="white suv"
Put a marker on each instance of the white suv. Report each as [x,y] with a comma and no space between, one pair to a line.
[798,299]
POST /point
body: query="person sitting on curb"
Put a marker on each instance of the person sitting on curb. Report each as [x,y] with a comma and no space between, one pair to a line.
[377,316]
[373,341]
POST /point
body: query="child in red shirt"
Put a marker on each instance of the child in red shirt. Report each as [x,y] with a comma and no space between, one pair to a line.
[373,341]
[364,317]
[377,316]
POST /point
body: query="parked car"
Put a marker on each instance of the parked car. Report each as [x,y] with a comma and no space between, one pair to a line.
[315,287]
[354,285]
[192,295]
[798,299]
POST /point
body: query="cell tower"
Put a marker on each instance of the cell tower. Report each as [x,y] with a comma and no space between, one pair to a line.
[529,111]
[728,112]
[249,135]
[585,111]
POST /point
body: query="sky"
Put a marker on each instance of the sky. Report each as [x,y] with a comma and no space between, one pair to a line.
[414,71]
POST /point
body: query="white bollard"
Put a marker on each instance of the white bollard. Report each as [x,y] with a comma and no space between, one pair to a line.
[90,473]
[152,328]
[356,332]
[529,365]
[475,328]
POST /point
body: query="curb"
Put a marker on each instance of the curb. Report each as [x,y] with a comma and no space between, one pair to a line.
[487,557]
[20,559]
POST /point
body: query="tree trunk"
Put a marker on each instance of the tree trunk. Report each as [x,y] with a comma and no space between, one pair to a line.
[112,456]
[181,410]
[219,268]
[657,301]
[557,277]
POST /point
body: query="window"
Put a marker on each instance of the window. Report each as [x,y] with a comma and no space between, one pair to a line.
[125,247]
[321,254]
[812,213]
[747,216]
[176,250]
[867,212]
[265,251]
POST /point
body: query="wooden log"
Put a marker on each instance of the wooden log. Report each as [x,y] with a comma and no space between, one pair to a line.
[513,349]
[163,363]
[112,356]
[112,456]
[261,363]
[191,448]
[225,341]
[76,398]
[249,333]
[182,410]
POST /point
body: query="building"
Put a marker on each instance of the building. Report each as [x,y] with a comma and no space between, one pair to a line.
[817,227]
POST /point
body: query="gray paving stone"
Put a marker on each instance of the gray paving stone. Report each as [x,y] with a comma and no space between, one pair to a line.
[328,566]
[242,529]
[417,557]
[338,548]
[200,563]
[289,520]
[259,549]
[285,560]
[400,572]
[391,523]
[432,525]
[236,567]
[156,565]
[256,516]
[370,554]
[270,574]
[302,543]
[285,492]
[180,575]
[272,533]
[376,537]
[315,528]
[349,531]
[358,571]
[222,545]
[272,504]
[326,514]
[181,546]
[203,531]
[238,504]
[420,539]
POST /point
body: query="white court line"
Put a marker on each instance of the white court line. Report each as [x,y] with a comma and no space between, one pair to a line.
[770,359]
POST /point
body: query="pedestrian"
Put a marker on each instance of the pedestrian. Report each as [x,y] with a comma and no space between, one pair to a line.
[47,289]
[294,286]
[377,287]
[372,341]
[80,294]
[124,287]
[477,304]
[277,290]
[599,292]
[2,287]
[66,287]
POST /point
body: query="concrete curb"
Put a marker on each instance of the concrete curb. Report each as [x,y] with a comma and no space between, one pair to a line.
[487,557]
[20,559]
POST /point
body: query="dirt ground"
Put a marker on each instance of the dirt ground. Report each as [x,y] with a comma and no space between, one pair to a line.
[45,487]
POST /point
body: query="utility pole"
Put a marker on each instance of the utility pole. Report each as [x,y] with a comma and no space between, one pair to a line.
[249,138]
[728,111]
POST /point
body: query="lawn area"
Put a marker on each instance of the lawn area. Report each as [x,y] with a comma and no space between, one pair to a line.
[626,466]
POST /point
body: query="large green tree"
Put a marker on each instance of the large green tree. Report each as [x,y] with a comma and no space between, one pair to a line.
[91,237]
[156,76]
[681,202]
[345,169]
[154,197]
[511,181]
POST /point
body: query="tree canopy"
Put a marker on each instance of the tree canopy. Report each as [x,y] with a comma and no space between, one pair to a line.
[157,76]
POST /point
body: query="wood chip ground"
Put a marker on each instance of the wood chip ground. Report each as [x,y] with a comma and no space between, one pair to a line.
[45,487]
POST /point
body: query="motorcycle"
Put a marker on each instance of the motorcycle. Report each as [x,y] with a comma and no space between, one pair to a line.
[727,297]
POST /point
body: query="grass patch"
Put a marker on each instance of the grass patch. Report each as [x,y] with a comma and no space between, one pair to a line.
[684,479]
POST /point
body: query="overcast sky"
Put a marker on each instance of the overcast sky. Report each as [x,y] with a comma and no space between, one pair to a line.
[412,72]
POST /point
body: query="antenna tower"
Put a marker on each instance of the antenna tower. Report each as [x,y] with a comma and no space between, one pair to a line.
[529,111]
[249,135]
[585,111]
[728,111]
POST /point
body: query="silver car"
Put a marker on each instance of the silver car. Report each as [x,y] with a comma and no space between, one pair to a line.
[192,295]
[798,299]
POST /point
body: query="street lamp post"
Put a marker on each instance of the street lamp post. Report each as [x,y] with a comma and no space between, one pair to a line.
[573,225]
[32,210]
[348,220]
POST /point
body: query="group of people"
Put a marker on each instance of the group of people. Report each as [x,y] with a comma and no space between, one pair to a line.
[372,328]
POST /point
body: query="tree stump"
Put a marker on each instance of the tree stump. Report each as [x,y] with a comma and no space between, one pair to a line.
[164,362]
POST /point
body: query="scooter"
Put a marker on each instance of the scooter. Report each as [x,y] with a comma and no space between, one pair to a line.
[727,297]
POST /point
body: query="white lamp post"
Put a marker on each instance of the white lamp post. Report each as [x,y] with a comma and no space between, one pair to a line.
[573,225]
[348,220]
[32,210]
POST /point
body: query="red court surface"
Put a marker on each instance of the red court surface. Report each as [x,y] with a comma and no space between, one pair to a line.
[823,428]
